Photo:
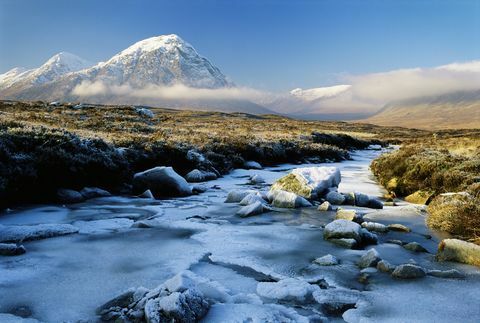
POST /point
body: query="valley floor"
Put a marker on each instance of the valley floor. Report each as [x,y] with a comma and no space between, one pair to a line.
[67,278]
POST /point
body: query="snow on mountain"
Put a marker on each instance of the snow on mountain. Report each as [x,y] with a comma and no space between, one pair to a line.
[319,93]
[57,66]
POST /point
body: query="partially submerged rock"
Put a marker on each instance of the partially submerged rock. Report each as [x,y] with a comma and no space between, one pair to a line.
[361,199]
[385,266]
[335,198]
[289,289]
[93,192]
[408,271]
[309,182]
[415,247]
[236,196]
[196,176]
[452,273]
[369,259]
[284,199]
[344,242]
[257,179]
[398,227]
[162,182]
[146,195]
[19,233]
[251,209]
[375,204]
[350,215]
[459,251]
[252,198]
[68,196]
[250,164]
[374,226]
[325,206]
[342,229]
[336,301]
[11,249]
[327,260]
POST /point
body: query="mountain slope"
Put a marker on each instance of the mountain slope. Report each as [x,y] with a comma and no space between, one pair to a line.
[449,111]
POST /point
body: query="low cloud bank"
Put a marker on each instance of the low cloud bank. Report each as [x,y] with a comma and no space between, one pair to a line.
[174,92]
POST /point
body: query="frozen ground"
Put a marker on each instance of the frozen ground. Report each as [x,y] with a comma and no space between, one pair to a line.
[65,278]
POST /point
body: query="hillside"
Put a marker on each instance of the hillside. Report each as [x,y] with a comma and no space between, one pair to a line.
[460,110]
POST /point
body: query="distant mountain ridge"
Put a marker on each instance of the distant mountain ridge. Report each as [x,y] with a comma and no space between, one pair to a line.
[162,61]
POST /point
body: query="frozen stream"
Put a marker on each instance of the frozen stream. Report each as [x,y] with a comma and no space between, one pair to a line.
[64,279]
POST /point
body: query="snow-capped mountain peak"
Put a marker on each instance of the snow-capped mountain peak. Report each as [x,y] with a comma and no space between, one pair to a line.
[319,93]
[163,42]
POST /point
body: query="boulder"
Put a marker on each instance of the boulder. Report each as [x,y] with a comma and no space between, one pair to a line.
[459,251]
[283,199]
[327,260]
[196,176]
[93,192]
[398,227]
[68,196]
[408,271]
[335,301]
[252,198]
[374,226]
[250,164]
[19,233]
[452,273]
[369,259]
[335,198]
[361,199]
[342,229]
[420,197]
[325,206]
[251,209]
[375,204]
[385,266]
[415,247]
[368,237]
[309,182]
[236,196]
[197,189]
[162,182]
[11,249]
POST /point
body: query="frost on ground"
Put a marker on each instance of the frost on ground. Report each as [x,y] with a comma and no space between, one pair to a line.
[265,268]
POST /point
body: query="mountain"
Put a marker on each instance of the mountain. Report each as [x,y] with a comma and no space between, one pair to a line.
[326,103]
[57,66]
[158,71]
[449,111]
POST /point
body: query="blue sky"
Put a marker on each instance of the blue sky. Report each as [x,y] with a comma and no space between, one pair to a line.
[274,45]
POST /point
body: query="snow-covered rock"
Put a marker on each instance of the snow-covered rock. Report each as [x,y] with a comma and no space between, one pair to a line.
[385,266]
[340,229]
[19,233]
[309,182]
[196,176]
[237,196]
[257,179]
[284,199]
[252,198]
[338,300]
[289,289]
[251,209]
[327,260]
[11,249]
[162,182]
